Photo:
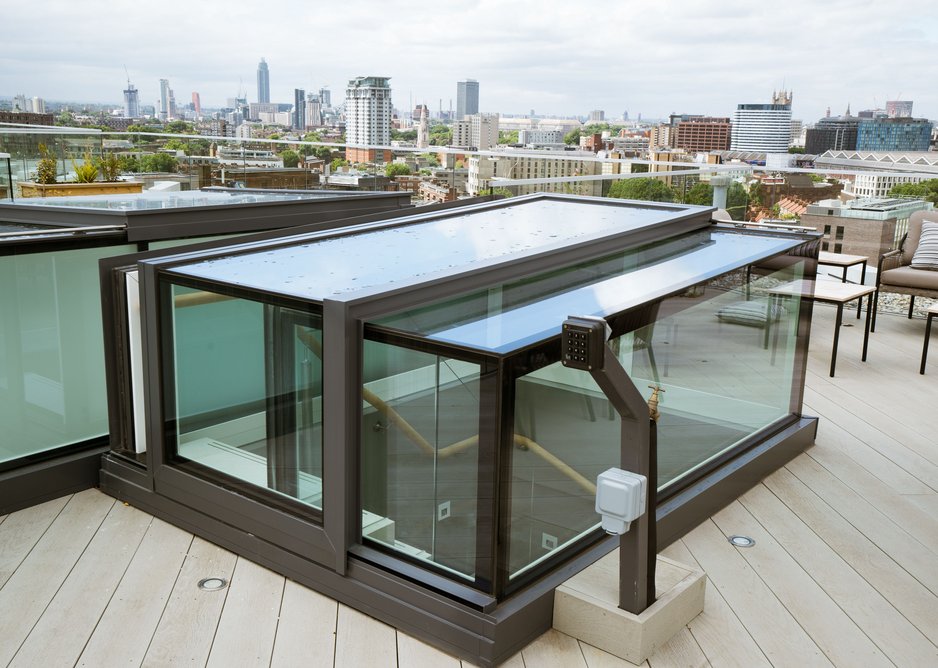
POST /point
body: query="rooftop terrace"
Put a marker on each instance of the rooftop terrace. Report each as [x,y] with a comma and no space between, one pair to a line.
[842,573]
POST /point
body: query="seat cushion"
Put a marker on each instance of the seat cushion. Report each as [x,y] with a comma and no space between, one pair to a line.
[752,313]
[916,220]
[926,254]
[907,277]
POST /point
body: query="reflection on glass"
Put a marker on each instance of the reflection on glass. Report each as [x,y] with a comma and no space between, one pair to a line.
[420,455]
[249,391]
[509,316]
[353,262]
[723,354]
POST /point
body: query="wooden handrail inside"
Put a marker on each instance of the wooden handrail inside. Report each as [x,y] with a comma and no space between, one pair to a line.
[393,417]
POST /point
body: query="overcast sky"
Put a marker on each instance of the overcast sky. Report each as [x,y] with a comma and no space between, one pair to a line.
[565,58]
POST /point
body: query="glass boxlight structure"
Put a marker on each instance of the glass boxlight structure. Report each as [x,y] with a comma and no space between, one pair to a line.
[53,403]
[382,413]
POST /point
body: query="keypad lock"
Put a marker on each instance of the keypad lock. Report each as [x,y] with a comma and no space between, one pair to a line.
[583,343]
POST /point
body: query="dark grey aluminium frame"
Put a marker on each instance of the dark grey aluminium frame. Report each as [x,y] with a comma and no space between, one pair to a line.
[160,224]
[458,619]
[37,478]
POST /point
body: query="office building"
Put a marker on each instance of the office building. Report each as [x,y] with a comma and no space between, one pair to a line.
[540,137]
[894,134]
[764,128]
[299,109]
[263,82]
[659,136]
[131,101]
[698,134]
[597,116]
[483,131]
[325,97]
[368,119]
[462,133]
[467,98]
[867,226]
[482,169]
[835,133]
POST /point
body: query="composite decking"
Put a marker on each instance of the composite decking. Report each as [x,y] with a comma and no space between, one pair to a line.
[844,571]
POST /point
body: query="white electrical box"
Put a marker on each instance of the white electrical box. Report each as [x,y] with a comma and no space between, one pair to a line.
[620,498]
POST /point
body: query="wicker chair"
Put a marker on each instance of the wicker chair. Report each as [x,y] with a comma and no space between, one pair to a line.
[894,273]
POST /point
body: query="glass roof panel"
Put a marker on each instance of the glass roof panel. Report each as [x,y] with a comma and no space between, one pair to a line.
[148,201]
[330,268]
[513,315]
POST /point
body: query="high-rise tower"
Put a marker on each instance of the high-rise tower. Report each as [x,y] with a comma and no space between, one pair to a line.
[299,109]
[764,128]
[131,101]
[467,98]
[165,95]
[367,118]
[263,82]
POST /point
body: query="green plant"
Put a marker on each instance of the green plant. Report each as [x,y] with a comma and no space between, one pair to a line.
[159,162]
[109,167]
[86,172]
[396,169]
[46,168]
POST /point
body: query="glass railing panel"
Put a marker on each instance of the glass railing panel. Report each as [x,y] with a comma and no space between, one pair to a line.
[52,385]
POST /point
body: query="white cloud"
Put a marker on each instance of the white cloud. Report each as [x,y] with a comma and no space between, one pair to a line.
[555,57]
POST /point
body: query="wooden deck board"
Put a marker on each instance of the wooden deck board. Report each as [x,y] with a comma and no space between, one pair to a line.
[248,624]
[363,641]
[901,589]
[22,530]
[27,593]
[187,626]
[74,611]
[302,610]
[768,621]
[844,570]
[141,597]
[880,623]
[718,631]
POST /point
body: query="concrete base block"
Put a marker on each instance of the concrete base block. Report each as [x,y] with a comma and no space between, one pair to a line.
[587,607]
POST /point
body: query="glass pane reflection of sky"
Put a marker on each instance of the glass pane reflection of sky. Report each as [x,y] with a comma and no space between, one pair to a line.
[342,265]
[504,331]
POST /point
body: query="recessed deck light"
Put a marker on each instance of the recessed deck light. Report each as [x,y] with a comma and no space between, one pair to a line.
[741,541]
[212,584]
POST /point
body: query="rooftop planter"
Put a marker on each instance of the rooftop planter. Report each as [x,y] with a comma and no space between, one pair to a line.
[32,189]
[86,183]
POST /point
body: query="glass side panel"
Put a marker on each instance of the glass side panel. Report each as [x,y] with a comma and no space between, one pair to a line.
[420,455]
[350,263]
[512,315]
[723,354]
[248,391]
[52,385]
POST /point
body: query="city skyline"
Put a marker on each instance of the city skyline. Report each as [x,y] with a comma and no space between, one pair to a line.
[706,58]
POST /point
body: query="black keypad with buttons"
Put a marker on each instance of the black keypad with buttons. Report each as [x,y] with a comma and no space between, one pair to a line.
[583,343]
